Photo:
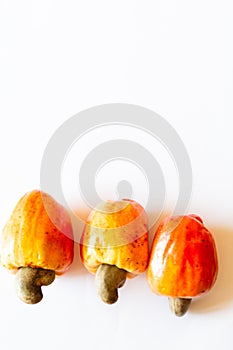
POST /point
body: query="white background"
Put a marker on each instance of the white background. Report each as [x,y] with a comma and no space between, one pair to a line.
[172,56]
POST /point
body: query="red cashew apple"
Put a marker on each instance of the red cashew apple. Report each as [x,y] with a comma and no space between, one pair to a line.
[183,261]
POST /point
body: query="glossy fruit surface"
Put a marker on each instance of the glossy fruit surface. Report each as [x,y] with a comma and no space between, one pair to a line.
[183,261]
[116,233]
[38,234]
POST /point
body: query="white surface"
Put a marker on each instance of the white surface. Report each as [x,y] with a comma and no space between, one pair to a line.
[174,57]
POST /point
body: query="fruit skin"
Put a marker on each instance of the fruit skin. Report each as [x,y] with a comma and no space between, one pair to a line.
[116,233]
[31,238]
[183,261]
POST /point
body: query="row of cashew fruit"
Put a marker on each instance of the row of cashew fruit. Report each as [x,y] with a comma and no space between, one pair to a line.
[37,243]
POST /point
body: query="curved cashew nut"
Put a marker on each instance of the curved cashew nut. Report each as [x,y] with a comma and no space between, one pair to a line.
[29,281]
[108,279]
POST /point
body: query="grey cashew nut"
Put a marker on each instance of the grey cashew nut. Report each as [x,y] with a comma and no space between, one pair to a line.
[179,306]
[29,281]
[108,279]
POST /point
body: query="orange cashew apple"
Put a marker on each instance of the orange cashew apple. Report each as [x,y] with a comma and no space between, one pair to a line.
[36,243]
[183,261]
[114,245]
